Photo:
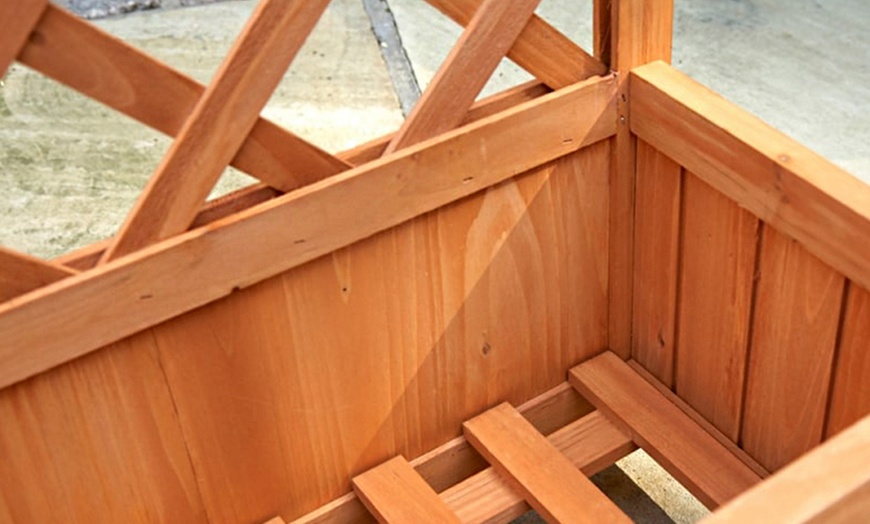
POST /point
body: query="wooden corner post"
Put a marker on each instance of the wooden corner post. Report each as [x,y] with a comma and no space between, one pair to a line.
[628,33]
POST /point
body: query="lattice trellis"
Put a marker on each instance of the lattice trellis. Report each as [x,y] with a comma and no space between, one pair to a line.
[219,124]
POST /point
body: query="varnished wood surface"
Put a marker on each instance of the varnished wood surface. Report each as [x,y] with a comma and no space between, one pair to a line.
[469,65]
[546,478]
[20,273]
[696,459]
[209,263]
[17,19]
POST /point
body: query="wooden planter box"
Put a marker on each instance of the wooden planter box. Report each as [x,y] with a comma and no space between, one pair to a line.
[626,257]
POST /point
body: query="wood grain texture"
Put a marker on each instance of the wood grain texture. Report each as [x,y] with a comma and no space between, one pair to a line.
[21,273]
[590,443]
[829,485]
[394,493]
[640,33]
[656,250]
[219,123]
[472,60]
[696,459]
[549,482]
[775,178]
[149,91]
[850,398]
[391,343]
[540,49]
[456,462]
[209,263]
[17,19]
[96,441]
[794,335]
[718,267]
[698,419]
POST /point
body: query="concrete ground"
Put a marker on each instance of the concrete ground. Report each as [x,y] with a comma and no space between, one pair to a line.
[71,170]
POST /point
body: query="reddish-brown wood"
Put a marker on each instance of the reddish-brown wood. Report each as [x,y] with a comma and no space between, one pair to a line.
[716,283]
[850,398]
[218,124]
[489,35]
[550,483]
[17,18]
[703,465]
[794,333]
[656,249]
[20,273]
[540,49]
[147,90]
[395,494]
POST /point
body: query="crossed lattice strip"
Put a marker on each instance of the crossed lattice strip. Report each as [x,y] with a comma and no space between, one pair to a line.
[219,125]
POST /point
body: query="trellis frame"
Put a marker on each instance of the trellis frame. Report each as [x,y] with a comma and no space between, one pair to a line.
[578,213]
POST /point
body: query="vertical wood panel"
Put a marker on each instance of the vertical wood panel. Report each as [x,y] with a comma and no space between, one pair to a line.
[96,440]
[656,246]
[641,33]
[795,327]
[850,399]
[717,267]
[387,346]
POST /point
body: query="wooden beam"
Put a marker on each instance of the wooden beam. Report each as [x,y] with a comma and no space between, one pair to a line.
[219,123]
[781,182]
[550,483]
[591,444]
[830,484]
[394,493]
[20,273]
[696,459]
[108,70]
[208,263]
[540,49]
[640,32]
[17,18]
[473,59]
[87,257]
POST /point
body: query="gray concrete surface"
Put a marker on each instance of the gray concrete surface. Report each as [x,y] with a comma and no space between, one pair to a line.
[71,169]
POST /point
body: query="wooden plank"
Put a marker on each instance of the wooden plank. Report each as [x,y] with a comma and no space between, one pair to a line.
[602,25]
[850,397]
[162,98]
[641,32]
[394,492]
[831,484]
[772,176]
[696,459]
[97,441]
[656,252]
[21,273]
[550,483]
[540,49]
[218,124]
[489,106]
[696,417]
[293,229]
[17,20]
[472,60]
[591,444]
[275,520]
[720,241]
[450,468]
[797,310]
[386,316]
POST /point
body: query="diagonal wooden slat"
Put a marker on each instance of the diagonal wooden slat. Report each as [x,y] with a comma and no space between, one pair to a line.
[17,20]
[20,273]
[151,92]
[549,482]
[221,120]
[540,49]
[471,62]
